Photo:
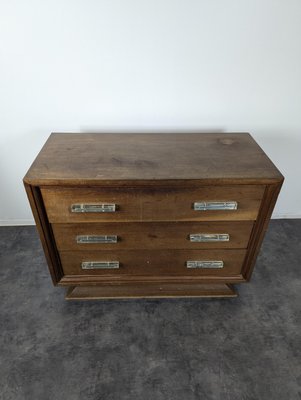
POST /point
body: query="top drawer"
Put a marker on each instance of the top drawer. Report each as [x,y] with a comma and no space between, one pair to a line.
[205,203]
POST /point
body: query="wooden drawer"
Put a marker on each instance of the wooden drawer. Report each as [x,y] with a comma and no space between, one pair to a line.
[153,262]
[152,204]
[152,235]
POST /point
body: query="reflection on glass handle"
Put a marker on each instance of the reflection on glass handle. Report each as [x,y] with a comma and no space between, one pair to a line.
[209,237]
[96,239]
[215,205]
[204,264]
[93,208]
[100,264]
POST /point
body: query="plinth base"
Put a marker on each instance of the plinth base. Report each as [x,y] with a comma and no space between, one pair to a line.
[166,290]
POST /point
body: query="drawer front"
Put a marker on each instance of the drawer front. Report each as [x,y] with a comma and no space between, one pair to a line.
[207,203]
[150,235]
[153,263]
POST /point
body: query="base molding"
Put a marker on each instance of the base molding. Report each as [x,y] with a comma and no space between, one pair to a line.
[150,290]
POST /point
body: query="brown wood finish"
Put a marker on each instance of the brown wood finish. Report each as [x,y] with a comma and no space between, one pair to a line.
[92,280]
[45,233]
[259,230]
[152,235]
[121,159]
[153,204]
[154,178]
[150,291]
[153,262]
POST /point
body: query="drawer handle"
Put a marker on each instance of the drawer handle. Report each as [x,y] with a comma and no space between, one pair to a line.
[209,237]
[215,205]
[94,208]
[205,264]
[100,265]
[96,239]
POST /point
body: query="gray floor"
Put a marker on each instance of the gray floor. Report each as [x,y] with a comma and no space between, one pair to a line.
[185,349]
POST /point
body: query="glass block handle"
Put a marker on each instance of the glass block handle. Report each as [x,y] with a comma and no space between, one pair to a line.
[205,264]
[215,205]
[93,208]
[209,237]
[96,239]
[100,265]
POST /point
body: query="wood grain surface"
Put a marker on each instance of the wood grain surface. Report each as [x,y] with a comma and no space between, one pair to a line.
[153,179]
[100,158]
[154,290]
[152,235]
[146,262]
[153,204]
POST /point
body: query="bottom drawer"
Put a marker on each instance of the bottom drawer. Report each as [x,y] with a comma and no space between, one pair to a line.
[153,263]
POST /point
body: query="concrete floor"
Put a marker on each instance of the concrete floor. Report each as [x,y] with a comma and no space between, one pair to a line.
[247,348]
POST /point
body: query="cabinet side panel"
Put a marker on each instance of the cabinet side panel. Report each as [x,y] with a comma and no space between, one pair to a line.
[45,232]
[268,203]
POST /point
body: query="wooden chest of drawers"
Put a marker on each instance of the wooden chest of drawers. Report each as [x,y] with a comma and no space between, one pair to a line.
[151,215]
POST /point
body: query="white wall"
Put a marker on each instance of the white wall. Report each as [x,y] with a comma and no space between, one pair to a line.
[71,65]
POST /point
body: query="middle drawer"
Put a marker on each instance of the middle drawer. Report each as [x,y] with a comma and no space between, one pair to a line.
[148,235]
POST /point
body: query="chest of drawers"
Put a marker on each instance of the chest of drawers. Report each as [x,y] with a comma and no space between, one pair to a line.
[151,215]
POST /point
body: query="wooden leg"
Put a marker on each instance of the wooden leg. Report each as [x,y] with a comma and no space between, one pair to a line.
[126,291]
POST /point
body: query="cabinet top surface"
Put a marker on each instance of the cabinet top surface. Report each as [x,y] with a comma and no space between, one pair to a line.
[92,158]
